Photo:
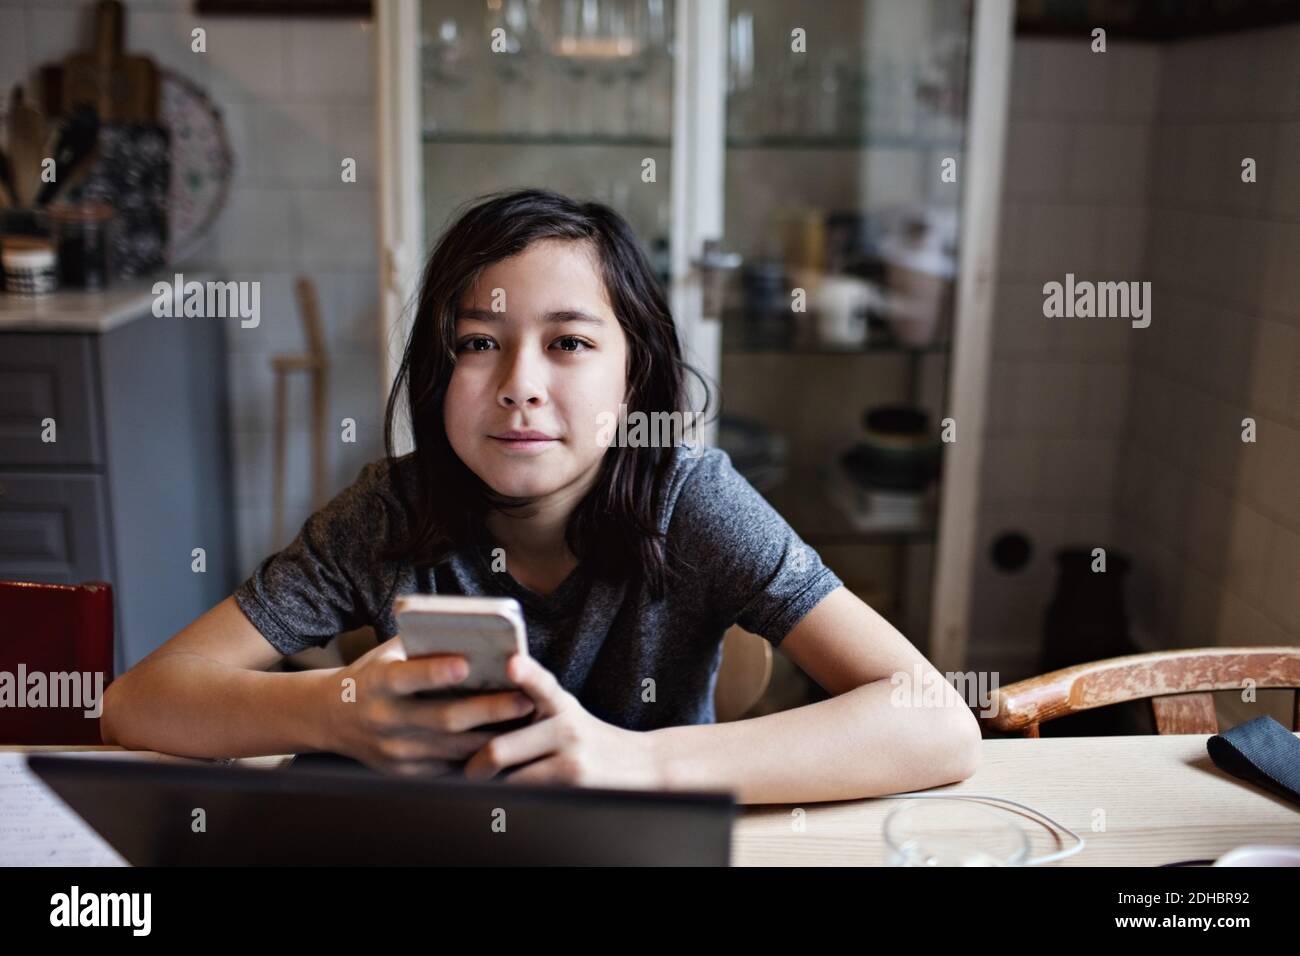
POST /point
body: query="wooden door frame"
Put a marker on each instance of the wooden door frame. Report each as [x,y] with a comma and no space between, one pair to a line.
[400,181]
[986,120]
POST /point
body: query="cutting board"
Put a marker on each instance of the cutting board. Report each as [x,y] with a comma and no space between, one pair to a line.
[120,87]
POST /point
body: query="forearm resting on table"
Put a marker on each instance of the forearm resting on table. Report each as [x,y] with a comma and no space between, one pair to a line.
[193,706]
[856,744]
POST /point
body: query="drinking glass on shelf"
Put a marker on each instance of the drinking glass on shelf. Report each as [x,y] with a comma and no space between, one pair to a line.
[659,55]
[594,44]
[444,78]
[578,33]
[647,27]
[740,74]
[826,98]
[891,102]
[940,85]
[794,80]
[853,99]
[619,46]
[518,56]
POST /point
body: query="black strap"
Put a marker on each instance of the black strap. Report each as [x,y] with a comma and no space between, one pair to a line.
[1261,751]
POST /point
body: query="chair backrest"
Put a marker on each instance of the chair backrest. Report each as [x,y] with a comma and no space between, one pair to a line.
[309,311]
[56,639]
[743,675]
[1179,684]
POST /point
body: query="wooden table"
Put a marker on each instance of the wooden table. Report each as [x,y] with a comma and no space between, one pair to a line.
[1159,799]
[1138,801]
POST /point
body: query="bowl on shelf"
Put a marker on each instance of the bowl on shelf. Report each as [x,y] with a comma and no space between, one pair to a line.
[896,451]
[884,481]
[877,509]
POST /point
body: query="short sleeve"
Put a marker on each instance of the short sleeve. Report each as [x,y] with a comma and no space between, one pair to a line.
[331,578]
[754,568]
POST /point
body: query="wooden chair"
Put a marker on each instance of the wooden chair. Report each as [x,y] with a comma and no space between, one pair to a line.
[743,675]
[316,364]
[1178,683]
[55,629]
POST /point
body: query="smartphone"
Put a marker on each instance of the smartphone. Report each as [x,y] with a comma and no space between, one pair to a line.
[485,631]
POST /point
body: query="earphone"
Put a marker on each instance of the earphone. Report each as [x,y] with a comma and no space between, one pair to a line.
[1032,861]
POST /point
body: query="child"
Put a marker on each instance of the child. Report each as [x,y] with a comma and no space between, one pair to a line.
[539,321]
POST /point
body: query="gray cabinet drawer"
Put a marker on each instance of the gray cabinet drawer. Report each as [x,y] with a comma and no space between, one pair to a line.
[53,528]
[48,376]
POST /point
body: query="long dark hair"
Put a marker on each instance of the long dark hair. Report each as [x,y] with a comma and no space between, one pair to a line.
[614,529]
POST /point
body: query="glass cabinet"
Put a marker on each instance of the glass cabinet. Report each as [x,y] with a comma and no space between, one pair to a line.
[573,95]
[800,176]
[842,201]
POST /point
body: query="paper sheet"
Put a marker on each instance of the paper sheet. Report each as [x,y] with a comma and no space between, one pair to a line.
[39,829]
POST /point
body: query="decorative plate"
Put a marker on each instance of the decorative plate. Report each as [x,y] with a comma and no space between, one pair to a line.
[202,161]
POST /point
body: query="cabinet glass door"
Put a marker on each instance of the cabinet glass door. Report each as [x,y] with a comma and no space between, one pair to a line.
[572,95]
[845,124]
[821,144]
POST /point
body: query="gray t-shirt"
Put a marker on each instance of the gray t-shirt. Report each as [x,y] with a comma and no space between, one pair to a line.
[604,645]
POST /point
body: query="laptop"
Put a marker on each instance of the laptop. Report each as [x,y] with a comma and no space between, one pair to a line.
[341,813]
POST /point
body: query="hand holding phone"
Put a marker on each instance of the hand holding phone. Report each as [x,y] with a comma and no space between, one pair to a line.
[485,631]
[426,701]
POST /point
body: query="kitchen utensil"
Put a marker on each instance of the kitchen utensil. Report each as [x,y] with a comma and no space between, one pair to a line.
[27,135]
[52,131]
[72,152]
[121,87]
[842,303]
[7,197]
[78,175]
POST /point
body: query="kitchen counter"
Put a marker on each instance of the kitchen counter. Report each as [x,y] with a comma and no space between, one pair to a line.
[72,310]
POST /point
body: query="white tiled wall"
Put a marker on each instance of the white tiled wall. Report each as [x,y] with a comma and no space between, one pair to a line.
[297,96]
[1074,200]
[1126,166]
[1215,522]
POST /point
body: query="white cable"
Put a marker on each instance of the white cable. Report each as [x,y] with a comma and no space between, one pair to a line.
[1032,861]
